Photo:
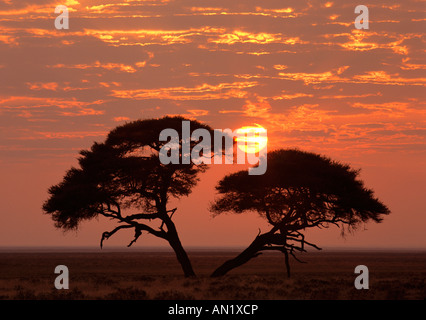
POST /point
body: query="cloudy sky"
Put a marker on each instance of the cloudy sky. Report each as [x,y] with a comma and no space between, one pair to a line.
[298,68]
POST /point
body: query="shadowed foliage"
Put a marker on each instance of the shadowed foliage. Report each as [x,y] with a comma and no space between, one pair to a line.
[125,174]
[299,190]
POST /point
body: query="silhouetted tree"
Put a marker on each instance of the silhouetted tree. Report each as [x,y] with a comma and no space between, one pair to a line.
[125,174]
[299,190]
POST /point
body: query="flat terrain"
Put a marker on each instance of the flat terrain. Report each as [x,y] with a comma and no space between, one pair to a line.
[157,275]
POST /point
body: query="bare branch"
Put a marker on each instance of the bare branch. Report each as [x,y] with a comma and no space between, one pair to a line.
[106,235]
[294,256]
[172,211]
[138,233]
[145,216]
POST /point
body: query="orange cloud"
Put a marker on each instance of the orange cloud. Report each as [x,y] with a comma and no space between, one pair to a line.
[119,119]
[258,109]
[365,41]
[382,77]
[63,107]
[238,36]
[406,65]
[312,78]
[40,85]
[201,92]
[108,66]
[193,113]
[203,9]
[70,134]
[198,112]
[291,96]
[8,39]
[334,76]
[377,94]
[144,37]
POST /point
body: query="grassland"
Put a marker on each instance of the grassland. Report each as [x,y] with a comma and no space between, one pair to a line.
[157,275]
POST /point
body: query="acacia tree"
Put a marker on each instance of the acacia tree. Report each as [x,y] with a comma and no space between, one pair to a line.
[124,180]
[300,190]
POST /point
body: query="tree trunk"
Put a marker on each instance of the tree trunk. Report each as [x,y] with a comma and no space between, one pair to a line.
[251,252]
[180,252]
[287,263]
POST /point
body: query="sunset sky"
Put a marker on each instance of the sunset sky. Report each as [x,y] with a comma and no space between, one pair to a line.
[298,68]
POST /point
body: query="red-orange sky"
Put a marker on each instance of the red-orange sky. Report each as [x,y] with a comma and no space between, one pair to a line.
[298,68]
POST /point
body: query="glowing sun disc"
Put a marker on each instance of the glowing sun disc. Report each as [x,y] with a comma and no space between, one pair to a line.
[251,139]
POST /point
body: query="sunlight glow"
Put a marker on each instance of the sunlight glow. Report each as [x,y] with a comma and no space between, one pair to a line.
[252,138]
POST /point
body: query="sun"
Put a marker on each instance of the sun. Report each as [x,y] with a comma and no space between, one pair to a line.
[251,139]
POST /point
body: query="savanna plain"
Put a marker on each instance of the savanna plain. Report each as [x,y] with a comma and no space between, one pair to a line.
[115,275]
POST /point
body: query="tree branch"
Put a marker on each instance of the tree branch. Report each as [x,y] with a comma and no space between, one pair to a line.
[138,233]
[158,233]
[146,216]
[106,235]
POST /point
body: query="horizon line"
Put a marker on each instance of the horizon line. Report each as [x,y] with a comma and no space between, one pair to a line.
[89,248]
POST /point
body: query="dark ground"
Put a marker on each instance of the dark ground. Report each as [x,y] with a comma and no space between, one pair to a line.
[157,275]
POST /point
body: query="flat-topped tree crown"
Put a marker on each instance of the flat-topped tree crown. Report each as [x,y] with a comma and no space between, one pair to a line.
[301,189]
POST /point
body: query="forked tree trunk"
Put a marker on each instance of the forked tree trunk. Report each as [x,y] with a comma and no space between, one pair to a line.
[252,251]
